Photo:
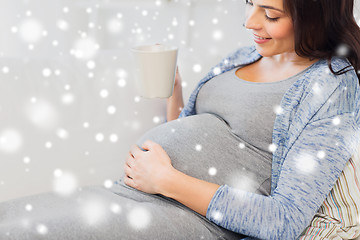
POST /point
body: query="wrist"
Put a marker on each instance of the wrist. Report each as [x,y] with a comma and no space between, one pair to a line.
[165,187]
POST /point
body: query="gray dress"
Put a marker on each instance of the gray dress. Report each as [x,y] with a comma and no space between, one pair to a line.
[228,142]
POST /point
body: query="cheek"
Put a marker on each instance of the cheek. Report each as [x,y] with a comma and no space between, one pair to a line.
[282,31]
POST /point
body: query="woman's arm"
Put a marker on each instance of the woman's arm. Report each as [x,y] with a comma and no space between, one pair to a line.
[175,103]
[192,192]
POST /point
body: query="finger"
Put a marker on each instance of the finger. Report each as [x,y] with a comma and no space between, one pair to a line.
[135,150]
[128,171]
[129,160]
[129,182]
[148,145]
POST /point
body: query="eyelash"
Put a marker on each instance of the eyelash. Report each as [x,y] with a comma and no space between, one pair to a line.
[266,17]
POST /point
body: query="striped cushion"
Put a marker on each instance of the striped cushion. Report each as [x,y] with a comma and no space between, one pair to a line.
[338,218]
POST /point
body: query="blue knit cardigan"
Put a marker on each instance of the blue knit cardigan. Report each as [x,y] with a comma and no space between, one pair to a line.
[315,133]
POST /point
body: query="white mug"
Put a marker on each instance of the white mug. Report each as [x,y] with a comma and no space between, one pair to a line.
[155,70]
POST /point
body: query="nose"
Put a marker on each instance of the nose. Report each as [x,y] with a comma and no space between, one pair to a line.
[252,20]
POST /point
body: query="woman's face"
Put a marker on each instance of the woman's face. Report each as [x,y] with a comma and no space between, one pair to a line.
[270,23]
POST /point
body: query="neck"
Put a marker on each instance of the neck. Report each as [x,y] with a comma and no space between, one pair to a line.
[289,58]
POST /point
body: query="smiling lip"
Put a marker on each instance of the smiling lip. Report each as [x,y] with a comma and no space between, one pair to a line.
[260,41]
[260,36]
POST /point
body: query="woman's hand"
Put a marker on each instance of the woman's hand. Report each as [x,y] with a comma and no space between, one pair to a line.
[148,170]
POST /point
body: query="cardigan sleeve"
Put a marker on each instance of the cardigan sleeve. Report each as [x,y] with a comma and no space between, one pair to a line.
[310,169]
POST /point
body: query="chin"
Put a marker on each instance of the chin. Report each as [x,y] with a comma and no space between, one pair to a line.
[268,51]
[263,52]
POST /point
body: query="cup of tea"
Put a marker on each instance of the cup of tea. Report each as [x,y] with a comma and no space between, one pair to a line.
[155,69]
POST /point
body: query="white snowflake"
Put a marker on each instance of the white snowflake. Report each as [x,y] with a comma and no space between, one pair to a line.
[217,216]
[46,72]
[67,98]
[216,70]
[11,140]
[321,154]
[139,218]
[156,119]
[48,145]
[91,64]
[28,207]
[26,160]
[115,26]
[121,83]
[42,113]
[115,208]
[278,110]
[198,147]
[343,50]
[31,30]
[85,48]
[93,211]
[14,29]
[174,22]
[104,93]
[336,121]
[212,171]
[62,25]
[316,88]
[111,110]
[99,137]
[272,147]
[217,35]
[62,133]
[113,138]
[197,68]
[191,23]
[41,229]
[64,183]
[306,163]
[108,183]
[58,172]
[5,69]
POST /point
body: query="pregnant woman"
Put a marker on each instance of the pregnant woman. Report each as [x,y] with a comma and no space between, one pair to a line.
[252,155]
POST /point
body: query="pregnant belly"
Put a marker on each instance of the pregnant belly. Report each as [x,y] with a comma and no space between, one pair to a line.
[204,147]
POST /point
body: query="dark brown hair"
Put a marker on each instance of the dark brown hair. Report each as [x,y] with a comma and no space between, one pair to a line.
[324,26]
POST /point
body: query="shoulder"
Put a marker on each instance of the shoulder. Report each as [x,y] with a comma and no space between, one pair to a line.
[242,55]
[245,50]
[320,76]
[241,52]
[337,64]
[327,92]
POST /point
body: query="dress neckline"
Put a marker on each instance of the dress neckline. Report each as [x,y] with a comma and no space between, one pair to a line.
[281,81]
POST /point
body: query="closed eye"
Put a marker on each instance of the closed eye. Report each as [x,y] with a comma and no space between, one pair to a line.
[266,16]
